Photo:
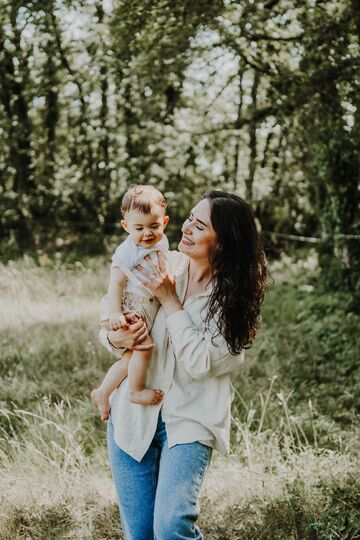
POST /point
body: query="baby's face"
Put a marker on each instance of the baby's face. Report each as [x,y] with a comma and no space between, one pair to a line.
[146,229]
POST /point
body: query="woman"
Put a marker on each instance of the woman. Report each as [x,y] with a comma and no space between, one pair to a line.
[209,313]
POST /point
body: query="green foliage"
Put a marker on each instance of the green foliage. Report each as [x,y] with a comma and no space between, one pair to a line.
[322,334]
[258,98]
[341,516]
[305,360]
[291,517]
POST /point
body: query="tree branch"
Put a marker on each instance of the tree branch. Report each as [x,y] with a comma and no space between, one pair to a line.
[234,76]
[271,3]
[232,126]
[266,37]
[260,68]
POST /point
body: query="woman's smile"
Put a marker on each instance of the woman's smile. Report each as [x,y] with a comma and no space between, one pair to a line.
[186,241]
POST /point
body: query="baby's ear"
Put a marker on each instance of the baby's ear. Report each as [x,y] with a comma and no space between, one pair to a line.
[166,221]
[124,225]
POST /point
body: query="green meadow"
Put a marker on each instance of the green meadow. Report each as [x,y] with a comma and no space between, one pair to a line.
[293,472]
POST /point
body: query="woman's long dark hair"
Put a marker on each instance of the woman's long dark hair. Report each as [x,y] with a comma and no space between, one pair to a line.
[240,270]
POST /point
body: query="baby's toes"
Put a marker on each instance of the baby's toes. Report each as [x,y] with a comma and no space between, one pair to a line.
[105,417]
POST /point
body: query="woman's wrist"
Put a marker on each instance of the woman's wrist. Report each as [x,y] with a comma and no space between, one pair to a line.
[171,306]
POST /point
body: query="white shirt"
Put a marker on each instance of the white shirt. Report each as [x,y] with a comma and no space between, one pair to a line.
[194,372]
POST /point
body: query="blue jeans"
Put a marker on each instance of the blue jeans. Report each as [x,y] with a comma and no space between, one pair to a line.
[158,497]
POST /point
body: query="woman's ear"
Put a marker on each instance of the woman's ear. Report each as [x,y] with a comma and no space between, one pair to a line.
[124,225]
[166,221]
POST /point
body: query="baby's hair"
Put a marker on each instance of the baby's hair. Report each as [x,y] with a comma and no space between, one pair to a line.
[141,199]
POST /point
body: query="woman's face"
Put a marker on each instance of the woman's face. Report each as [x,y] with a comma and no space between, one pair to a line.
[199,237]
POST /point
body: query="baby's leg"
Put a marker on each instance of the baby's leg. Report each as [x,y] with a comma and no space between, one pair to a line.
[112,379]
[137,369]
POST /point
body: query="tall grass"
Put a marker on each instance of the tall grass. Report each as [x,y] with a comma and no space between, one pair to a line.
[293,472]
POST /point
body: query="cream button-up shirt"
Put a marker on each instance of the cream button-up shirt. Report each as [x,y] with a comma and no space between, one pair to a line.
[194,371]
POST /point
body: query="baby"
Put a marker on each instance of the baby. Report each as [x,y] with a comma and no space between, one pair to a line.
[144,219]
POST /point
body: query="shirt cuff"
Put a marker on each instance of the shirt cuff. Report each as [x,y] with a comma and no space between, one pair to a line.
[104,338]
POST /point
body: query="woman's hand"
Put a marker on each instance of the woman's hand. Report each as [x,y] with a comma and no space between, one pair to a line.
[118,320]
[130,338]
[161,283]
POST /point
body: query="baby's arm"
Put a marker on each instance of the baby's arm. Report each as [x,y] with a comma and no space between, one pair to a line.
[116,287]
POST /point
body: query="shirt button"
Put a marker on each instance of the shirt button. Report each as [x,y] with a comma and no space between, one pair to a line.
[151,299]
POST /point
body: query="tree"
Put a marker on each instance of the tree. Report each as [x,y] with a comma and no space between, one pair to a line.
[258,98]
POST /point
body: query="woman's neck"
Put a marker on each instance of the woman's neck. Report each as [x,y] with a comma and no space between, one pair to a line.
[200,274]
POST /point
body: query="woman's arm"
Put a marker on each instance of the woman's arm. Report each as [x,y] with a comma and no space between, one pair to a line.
[202,356]
[119,340]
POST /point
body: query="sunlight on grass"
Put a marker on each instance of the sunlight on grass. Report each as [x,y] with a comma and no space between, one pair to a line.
[22,316]
[32,294]
[45,468]
[292,467]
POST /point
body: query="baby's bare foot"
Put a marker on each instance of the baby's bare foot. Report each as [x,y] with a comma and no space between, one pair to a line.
[102,401]
[148,396]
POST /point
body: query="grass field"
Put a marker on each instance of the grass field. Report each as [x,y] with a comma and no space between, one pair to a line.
[293,472]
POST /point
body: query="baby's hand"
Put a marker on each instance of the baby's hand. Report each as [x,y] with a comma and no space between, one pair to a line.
[132,318]
[117,321]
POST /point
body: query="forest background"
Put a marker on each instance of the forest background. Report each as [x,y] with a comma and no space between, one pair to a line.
[258,98]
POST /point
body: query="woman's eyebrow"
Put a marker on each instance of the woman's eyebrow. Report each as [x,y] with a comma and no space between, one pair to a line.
[199,220]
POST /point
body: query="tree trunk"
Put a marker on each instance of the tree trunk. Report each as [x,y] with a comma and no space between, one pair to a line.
[238,122]
[252,139]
